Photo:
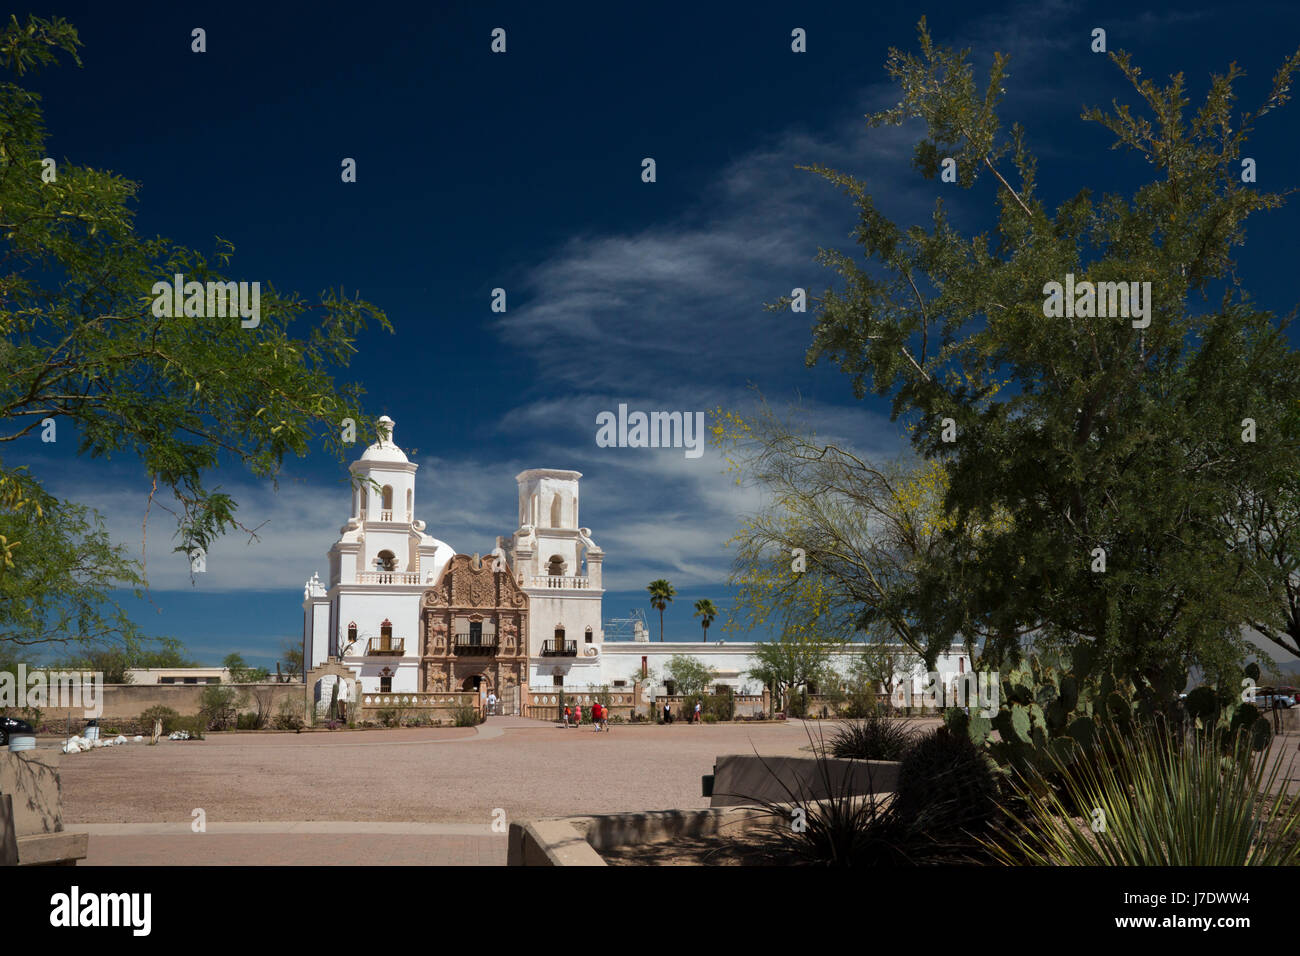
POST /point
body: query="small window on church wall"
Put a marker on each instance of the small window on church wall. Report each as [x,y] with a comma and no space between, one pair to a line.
[388,498]
[385,685]
[559,635]
[588,635]
[408,504]
[352,632]
[555,566]
[555,511]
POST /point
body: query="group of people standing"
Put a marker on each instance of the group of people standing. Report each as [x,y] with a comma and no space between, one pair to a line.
[599,716]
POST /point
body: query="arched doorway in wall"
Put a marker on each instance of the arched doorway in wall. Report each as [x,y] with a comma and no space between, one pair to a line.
[477,684]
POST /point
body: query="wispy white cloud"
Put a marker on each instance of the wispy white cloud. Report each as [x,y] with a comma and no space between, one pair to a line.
[665,317]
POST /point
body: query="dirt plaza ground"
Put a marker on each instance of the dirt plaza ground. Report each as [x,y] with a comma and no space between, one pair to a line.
[400,797]
[396,796]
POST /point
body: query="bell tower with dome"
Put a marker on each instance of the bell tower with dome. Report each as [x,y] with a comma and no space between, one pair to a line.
[367,613]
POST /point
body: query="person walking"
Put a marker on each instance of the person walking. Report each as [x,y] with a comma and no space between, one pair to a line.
[604,718]
[668,714]
[577,715]
[492,703]
[697,710]
[568,716]
[595,717]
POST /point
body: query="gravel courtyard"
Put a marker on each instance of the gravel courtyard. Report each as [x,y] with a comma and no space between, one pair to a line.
[528,768]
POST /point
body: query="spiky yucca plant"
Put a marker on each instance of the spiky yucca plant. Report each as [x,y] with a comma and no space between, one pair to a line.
[874,737]
[1153,796]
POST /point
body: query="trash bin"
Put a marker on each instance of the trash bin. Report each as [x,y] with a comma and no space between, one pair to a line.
[92,730]
[18,734]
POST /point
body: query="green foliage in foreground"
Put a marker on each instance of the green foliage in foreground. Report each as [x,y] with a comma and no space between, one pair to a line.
[83,349]
[1101,471]
[1154,797]
[1049,702]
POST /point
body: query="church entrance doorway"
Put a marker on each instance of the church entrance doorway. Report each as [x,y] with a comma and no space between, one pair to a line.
[472,683]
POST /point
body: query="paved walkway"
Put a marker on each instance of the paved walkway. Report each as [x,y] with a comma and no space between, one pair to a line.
[294,843]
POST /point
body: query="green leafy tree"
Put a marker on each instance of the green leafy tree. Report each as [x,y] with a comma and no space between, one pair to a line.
[1098,469]
[707,613]
[881,666]
[116,662]
[57,590]
[841,540]
[661,595]
[291,656]
[80,344]
[792,662]
[690,675]
[241,673]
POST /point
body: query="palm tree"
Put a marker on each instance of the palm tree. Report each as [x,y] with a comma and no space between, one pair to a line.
[705,610]
[661,595]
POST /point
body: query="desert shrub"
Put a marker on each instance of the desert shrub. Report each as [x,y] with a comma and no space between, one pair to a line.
[467,716]
[860,704]
[247,721]
[156,713]
[290,716]
[196,725]
[947,789]
[875,737]
[719,706]
[1154,796]
[388,717]
[219,706]
[843,828]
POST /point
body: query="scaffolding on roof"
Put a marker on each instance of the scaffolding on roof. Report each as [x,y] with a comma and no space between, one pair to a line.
[624,628]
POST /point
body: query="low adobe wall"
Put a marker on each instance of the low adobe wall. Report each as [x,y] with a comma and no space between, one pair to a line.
[435,706]
[576,841]
[128,701]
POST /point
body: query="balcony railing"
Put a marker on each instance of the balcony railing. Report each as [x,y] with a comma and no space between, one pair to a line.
[559,648]
[482,647]
[385,516]
[559,581]
[388,577]
[385,647]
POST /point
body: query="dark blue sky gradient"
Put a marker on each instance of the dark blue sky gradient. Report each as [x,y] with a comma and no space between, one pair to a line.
[523,171]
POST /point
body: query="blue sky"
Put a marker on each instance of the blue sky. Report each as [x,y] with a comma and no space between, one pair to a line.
[522,171]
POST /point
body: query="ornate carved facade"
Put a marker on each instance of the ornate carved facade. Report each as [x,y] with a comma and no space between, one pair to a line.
[474,624]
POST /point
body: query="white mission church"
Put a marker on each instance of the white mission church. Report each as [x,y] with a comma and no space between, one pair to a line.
[407,614]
